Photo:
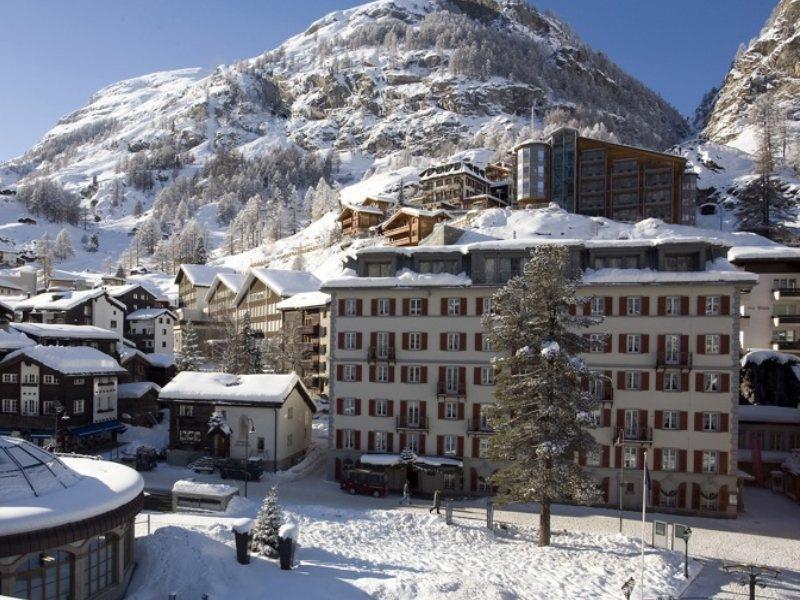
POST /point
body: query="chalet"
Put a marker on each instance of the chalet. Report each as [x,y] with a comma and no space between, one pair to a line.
[21,282]
[356,220]
[37,382]
[138,403]
[221,296]
[306,321]
[9,257]
[408,226]
[193,282]
[152,329]
[136,296]
[154,366]
[457,185]
[86,307]
[263,289]
[265,416]
[49,334]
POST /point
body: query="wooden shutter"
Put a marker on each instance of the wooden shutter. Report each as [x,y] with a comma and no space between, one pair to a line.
[723,422]
[684,381]
[698,461]
[608,308]
[392,339]
[682,461]
[370,441]
[723,498]
[684,420]
[403,409]
[623,347]
[620,380]
[460,446]
[620,418]
[604,460]
[478,342]
[372,373]
[443,307]
[463,306]
[662,306]
[725,382]
[684,305]
[661,343]
[339,372]
[582,459]
[623,306]
[587,309]
[643,418]
[696,496]
[373,339]
[340,340]
[358,406]
[391,374]
[373,306]
[390,442]
[424,307]
[645,343]
[659,381]
[684,345]
[359,373]
[698,382]
[571,309]
[462,341]
[440,413]
[403,374]
[460,413]
[462,378]
[423,374]
[682,495]
[406,307]
[618,456]
[476,375]
[698,421]
[725,305]
[645,306]
[656,458]
[359,340]
[476,447]
[479,306]
[701,344]
[701,305]
[439,445]
[402,439]
[607,348]
[422,446]
[658,419]
[390,408]
[723,463]
[340,406]
[725,344]
[645,380]
[393,306]
[404,340]
[341,308]
[371,407]
[424,341]
[606,417]
[339,433]
[357,439]
[443,341]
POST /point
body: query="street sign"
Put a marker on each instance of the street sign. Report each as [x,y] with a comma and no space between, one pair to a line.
[660,534]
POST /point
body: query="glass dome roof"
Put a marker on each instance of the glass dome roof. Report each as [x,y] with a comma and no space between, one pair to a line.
[27,471]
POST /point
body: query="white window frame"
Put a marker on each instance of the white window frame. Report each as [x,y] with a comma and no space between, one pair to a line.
[415,307]
[672,381]
[711,421]
[384,307]
[186,410]
[713,306]
[350,340]
[381,441]
[669,459]
[381,407]
[488,305]
[10,378]
[350,307]
[349,407]
[78,406]
[348,439]
[593,458]
[453,340]
[450,445]
[713,343]
[597,306]
[671,419]
[672,306]
[630,457]
[597,343]
[633,343]
[633,306]
[451,410]
[349,372]
[382,373]
[415,341]
[712,382]
[454,307]
[488,376]
[414,374]
[633,380]
[710,462]
[10,406]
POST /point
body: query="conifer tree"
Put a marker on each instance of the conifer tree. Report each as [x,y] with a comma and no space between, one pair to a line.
[190,356]
[541,414]
[63,248]
[264,536]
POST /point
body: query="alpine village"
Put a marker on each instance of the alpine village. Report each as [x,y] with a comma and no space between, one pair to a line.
[431,301]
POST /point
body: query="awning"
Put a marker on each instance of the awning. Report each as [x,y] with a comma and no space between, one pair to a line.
[32,433]
[104,427]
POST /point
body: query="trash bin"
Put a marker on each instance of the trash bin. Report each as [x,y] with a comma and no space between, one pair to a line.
[241,531]
[287,543]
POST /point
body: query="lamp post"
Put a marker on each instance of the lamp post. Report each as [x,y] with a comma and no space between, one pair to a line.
[753,574]
[687,533]
[59,415]
[251,429]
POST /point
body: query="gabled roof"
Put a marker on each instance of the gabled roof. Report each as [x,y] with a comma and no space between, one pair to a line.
[260,389]
[200,275]
[145,314]
[115,291]
[374,210]
[65,300]
[283,282]
[408,211]
[13,284]
[161,360]
[58,331]
[68,360]
[454,168]
[232,281]
[136,389]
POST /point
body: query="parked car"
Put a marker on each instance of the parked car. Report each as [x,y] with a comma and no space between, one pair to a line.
[364,481]
[235,468]
[146,458]
[206,464]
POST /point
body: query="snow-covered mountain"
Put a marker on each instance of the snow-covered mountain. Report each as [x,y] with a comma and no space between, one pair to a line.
[378,87]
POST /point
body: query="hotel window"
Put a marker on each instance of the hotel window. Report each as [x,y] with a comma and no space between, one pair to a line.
[630,457]
[412,442]
[784,284]
[634,306]
[488,305]
[712,305]
[598,306]
[10,405]
[414,374]
[415,307]
[713,344]
[453,307]
[30,406]
[382,373]
[186,410]
[633,343]
[78,406]
[711,382]
[30,378]
[379,269]
[78,381]
[348,372]
[670,419]
[487,376]
[9,378]
[350,307]
[449,481]
[349,406]
[597,342]
[380,443]
[672,305]
[709,461]
[711,421]
[48,407]
[100,565]
[593,458]
[672,381]
[415,340]
[669,459]
[348,439]
[381,408]
[453,341]
[383,307]
[45,580]
[451,410]
[450,444]
[633,380]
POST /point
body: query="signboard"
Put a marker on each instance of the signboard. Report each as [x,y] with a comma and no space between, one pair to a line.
[660,534]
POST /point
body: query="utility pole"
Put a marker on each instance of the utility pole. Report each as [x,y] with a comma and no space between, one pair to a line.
[621,476]
[753,575]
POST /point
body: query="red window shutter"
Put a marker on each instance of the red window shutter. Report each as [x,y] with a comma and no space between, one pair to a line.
[392,339]
[662,306]
[479,306]
[701,305]
[357,436]
[373,339]
[460,446]
[606,417]
[605,457]
[402,441]
[359,307]
[620,417]
[582,459]
[698,382]
[476,447]
[646,306]
[359,340]
[657,459]
[645,343]
[404,340]
[440,413]
[473,479]
[623,349]
[623,306]
[340,340]
[725,305]
[444,306]
[661,344]
[643,418]
[462,341]
[618,456]
[358,406]
[725,344]
[341,308]
[682,461]
[696,496]
[423,373]
[684,420]
[646,380]
[476,375]
[371,409]
[393,306]
[698,421]
[701,344]
[403,408]
[339,406]
[620,380]
[478,342]
[659,381]
[442,341]
[723,463]
[424,307]
[685,344]
[723,498]
[372,373]
[439,445]
[587,309]
[373,306]
[723,422]
[607,349]
[337,471]
[441,375]
[424,341]
[406,306]
[658,419]
[684,305]
[725,382]
[463,304]
[390,408]
[571,309]
[370,441]
[476,414]
[390,442]
[609,308]
[656,500]
[339,372]
[359,373]
[462,378]
[460,411]
[698,461]
[682,495]
[391,374]
[404,374]
[339,433]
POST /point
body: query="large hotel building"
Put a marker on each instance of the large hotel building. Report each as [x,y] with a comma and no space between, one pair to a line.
[411,373]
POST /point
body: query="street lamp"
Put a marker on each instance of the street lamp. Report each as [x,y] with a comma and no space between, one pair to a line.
[754,574]
[59,415]
[627,587]
[251,429]
[685,535]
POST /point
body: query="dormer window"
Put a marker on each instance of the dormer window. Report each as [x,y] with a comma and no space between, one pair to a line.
[681,262]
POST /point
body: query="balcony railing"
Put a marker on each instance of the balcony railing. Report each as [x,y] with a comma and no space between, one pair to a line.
[640,435]
[308,330]
[448,389]
[381,353]
[479,427]
[418,423]
[604,395]
[402,230]
[674,360]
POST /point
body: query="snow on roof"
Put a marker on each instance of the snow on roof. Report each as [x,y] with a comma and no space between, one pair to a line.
[59,331]
[381,460]
[13,340]
[719,270]
[756,357]
[160,359]
[364,208]
[218,490]
[750,413]
[304,300]
[201,275]
[404,278]
[69,360]
[40,490]
[232,281]
[11,302]
[136,389]
[776,252]
[269,389]
[283,282]
[145,314]
[115,291]
[65,276]
[64,300]
[7,282]
[454,168]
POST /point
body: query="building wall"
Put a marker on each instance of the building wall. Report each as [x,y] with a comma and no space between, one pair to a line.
[221,304]
[260,302]
[691,401]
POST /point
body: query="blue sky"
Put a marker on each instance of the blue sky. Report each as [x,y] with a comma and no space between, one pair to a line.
[55,54]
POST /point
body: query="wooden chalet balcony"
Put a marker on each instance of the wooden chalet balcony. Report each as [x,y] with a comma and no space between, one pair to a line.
[380,354]
[674,360]
[478,428]
[312,347]
[402,230]
[629,436]
[347,223]
[420,423]
[449,391]
[308,330]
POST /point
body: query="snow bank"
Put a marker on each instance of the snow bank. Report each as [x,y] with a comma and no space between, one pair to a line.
[242,526]
[217,490]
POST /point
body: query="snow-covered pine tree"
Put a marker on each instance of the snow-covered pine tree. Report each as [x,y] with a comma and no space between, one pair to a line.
[232,350]
[63,248]
[45,257]
[252,346]
[542,412]
[138,209]
[190,357]
[120,271]
[264,535]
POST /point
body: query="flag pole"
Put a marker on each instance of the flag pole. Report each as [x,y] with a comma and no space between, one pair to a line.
[644,519]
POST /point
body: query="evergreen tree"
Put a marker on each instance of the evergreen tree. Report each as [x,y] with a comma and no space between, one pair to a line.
[232,351]
[120,271]
[190,357]
[541,413]
[45,257]
[94,243]
[251,346]
[199,256]
[63,248]
[264,536]
[138,209]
